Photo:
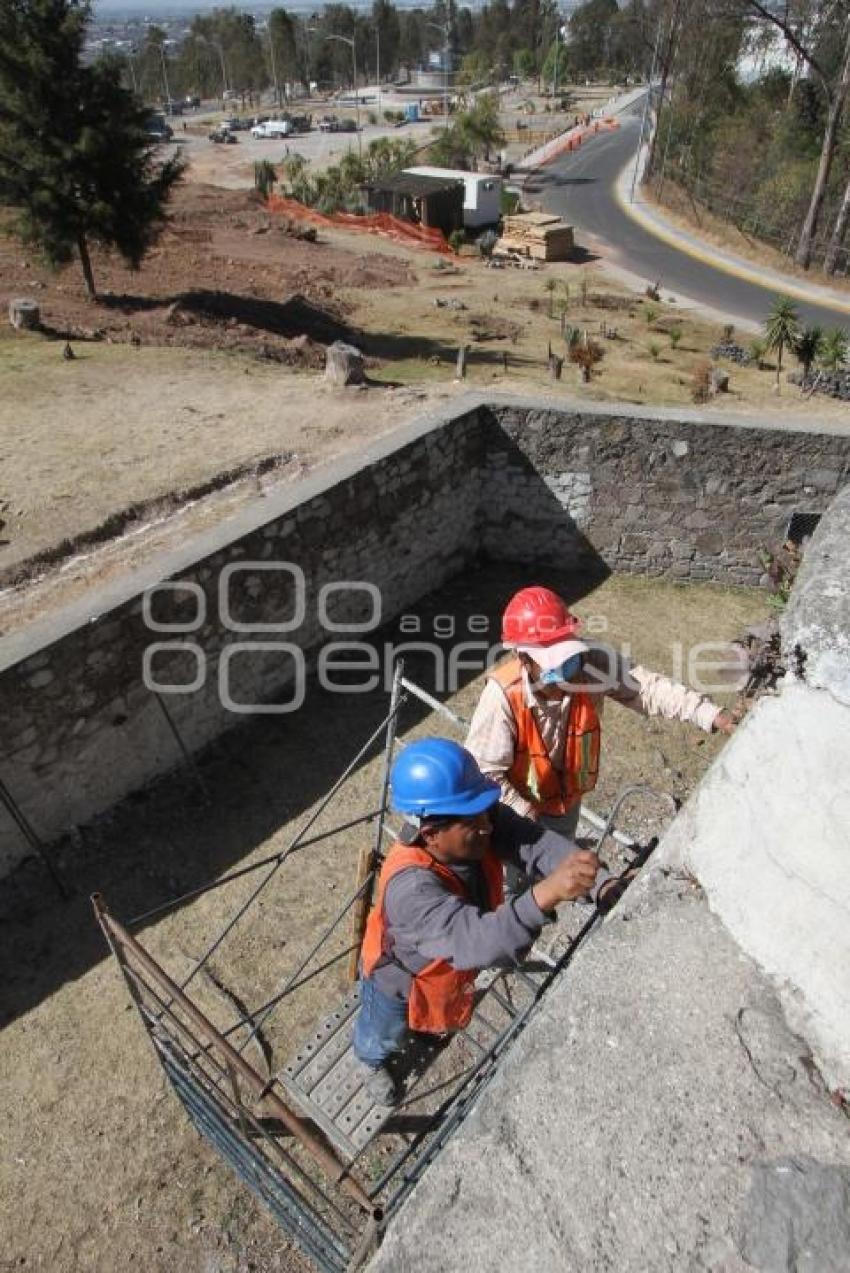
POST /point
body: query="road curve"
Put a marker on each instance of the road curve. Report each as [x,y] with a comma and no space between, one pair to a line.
[581,187]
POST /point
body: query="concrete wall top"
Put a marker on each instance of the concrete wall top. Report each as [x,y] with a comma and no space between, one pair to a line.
[18,646]
[257,512]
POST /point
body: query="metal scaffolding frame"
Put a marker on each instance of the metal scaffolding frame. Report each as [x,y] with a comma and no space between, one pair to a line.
[299,1137]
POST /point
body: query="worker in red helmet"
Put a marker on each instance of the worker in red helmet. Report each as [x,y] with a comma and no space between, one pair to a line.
[537,727]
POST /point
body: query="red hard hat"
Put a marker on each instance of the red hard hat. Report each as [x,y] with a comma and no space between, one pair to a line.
[537,616]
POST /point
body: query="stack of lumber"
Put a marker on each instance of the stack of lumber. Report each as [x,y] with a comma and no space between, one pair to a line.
[537,234]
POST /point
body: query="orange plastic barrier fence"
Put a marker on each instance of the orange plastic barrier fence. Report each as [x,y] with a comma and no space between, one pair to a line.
[573,139]
[377,223]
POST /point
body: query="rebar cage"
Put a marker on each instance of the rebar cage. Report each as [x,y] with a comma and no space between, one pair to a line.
[330,1165]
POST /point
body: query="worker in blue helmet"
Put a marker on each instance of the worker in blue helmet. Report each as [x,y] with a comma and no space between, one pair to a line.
[440,913]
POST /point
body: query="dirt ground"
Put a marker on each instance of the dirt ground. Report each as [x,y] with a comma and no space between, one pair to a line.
[101,1169]
[101,453]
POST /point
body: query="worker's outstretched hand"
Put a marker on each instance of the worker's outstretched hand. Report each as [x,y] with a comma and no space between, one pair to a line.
[724,722]
[571,878]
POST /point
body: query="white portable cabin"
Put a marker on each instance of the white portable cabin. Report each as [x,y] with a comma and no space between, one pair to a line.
[482,200]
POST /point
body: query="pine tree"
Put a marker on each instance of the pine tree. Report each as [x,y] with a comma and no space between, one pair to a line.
[76,164]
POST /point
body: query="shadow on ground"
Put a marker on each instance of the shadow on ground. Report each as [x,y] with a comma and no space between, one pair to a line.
[167,838]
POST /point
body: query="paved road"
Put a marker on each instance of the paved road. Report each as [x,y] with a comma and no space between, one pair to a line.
[581,187]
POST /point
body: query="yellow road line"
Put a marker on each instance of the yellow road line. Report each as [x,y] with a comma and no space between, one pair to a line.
[742,272]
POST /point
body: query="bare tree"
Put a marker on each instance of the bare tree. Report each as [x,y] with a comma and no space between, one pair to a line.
[835,91]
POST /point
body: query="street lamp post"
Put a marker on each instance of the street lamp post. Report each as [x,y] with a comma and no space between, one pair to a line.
[344,39]
[378,66]
[444,28]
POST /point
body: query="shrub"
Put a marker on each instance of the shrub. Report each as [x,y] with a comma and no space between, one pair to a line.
[654,349]
[650,314]
[265,176]
[486,242]
[757,351]
[457,238]
[675,337]
[586,357]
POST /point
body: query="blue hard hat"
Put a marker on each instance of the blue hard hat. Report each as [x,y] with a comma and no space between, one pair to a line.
[439,777]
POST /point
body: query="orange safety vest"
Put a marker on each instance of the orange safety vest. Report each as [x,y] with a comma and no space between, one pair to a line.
[551,790]
[441,998]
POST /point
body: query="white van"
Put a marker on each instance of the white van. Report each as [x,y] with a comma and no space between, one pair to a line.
[273,128]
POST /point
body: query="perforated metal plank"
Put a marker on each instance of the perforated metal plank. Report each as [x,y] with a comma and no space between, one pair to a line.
[324,1078]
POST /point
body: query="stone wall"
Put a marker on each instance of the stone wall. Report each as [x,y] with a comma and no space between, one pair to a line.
[79,727]
[673,494]
[583,487]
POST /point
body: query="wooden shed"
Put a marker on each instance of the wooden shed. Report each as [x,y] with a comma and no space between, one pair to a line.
[432,202]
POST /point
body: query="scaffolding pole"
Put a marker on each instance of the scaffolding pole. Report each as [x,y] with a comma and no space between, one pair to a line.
[368,860]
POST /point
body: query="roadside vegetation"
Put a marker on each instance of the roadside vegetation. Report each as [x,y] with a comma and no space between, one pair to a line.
[753,122]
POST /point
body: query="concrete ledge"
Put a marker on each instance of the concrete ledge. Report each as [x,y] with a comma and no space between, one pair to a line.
[766,832]
[626,1128]
[816,623]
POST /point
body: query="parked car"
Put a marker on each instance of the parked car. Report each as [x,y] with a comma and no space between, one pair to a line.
[191,101]
[156,127]
[272,128]
[223,135]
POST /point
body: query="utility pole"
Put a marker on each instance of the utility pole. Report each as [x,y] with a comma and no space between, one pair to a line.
[445,29]
[343,39]
[378,65]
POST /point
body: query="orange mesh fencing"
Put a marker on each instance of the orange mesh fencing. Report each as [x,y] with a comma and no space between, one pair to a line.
[376,223]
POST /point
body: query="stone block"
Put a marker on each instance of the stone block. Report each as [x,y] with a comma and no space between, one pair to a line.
[710,542]
[344,364]
[822,479]
[24,314]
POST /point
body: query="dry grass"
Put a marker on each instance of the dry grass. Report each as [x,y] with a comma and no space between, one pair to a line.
[418,342]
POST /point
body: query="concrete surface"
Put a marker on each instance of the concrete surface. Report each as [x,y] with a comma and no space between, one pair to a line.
[627,1128]
[766,832]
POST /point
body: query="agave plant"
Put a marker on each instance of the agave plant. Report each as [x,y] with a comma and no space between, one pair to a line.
[808,344]
[833,349]
[781,328]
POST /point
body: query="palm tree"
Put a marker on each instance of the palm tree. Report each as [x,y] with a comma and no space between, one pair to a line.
[833,350]
[808,344]
[780,330]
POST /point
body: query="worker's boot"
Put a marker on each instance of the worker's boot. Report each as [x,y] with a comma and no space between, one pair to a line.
[381,1085]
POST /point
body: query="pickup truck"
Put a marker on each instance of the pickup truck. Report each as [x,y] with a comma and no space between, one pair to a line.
[273,128]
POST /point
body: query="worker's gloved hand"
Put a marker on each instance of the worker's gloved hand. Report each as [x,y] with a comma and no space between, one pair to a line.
[612,890]
[571,878]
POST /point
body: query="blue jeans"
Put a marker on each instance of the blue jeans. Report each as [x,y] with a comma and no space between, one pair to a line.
[380,1027]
